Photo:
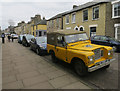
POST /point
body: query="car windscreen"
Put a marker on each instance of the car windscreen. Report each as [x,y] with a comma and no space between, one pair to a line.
[41,40]
[76,37]
[29,37]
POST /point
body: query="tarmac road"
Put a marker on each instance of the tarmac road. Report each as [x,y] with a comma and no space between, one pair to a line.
[102,79]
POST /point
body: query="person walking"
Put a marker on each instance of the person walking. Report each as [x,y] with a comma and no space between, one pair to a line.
[9,38]
[3,37]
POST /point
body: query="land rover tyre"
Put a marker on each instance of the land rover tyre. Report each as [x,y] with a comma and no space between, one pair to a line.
[80,67]
[53,57]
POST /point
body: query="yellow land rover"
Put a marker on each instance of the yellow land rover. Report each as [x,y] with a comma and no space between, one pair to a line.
[75,47]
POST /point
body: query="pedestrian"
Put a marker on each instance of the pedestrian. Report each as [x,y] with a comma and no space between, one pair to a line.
[3,37]
[8,37]
[12,38]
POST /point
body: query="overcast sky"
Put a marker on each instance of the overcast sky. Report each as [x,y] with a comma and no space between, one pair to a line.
[22,10]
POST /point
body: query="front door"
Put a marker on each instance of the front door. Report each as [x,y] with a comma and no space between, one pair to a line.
[61,51]
[92,31]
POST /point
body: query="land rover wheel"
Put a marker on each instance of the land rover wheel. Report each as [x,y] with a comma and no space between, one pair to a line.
[80,68]
[53,57]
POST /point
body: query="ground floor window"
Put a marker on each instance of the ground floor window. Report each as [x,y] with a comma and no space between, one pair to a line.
[117,31]
[76,28]
[92,31]
[81,28]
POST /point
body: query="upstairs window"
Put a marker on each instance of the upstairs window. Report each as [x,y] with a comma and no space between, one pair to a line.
[95,13]
[85,15]
[116,10]
[73,18]
[67,19]
[57,23]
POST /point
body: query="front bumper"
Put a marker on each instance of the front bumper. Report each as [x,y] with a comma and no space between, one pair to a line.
[99,65]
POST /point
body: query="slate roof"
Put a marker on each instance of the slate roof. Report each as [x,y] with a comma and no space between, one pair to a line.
[80,7]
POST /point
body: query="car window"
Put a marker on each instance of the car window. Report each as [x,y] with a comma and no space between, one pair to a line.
[103,38]
[60,40]
[96,38]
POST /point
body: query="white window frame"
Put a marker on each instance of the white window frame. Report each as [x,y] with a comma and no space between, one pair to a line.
[116,29]
[113,3]
[92,26]
[83,15]
[72,18]
[66,19]
[93,12]
[76,27]
[82,27]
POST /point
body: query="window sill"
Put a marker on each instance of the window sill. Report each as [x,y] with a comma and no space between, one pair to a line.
[115,17]
[85,21]
[95,19]
[73,22]
[67,23]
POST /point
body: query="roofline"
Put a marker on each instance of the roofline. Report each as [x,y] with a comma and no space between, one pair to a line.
[62,14]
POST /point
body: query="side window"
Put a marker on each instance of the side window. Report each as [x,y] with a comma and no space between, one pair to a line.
[96,38]
[60,40]
[103,38]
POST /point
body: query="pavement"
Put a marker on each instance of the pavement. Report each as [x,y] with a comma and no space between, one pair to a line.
[24,69]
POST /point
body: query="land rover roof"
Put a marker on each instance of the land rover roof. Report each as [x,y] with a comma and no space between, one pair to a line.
[66,32]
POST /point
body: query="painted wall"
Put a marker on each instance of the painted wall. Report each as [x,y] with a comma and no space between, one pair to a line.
[53,25]
[100,23]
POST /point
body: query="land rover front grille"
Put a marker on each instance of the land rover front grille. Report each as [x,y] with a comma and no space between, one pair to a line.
[98,53]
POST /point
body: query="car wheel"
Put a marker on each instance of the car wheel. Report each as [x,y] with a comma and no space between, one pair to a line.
[114,48]
[37,51]
[80,68]
[53,57]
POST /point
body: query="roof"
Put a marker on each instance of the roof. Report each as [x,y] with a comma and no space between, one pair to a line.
[65,32]
[43,22]
[80,7]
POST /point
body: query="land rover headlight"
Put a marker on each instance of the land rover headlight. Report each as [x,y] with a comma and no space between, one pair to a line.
[91,58]
[110,52]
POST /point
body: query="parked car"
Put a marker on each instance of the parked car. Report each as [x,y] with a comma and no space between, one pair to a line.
[75,47]
[20,37]
[26,39]
[14,36]
[39,45]
[107,41]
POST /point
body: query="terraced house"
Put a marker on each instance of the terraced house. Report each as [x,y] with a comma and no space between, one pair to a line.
[40,28]
[96,18]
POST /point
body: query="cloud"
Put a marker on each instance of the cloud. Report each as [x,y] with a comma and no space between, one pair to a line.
[19,11]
